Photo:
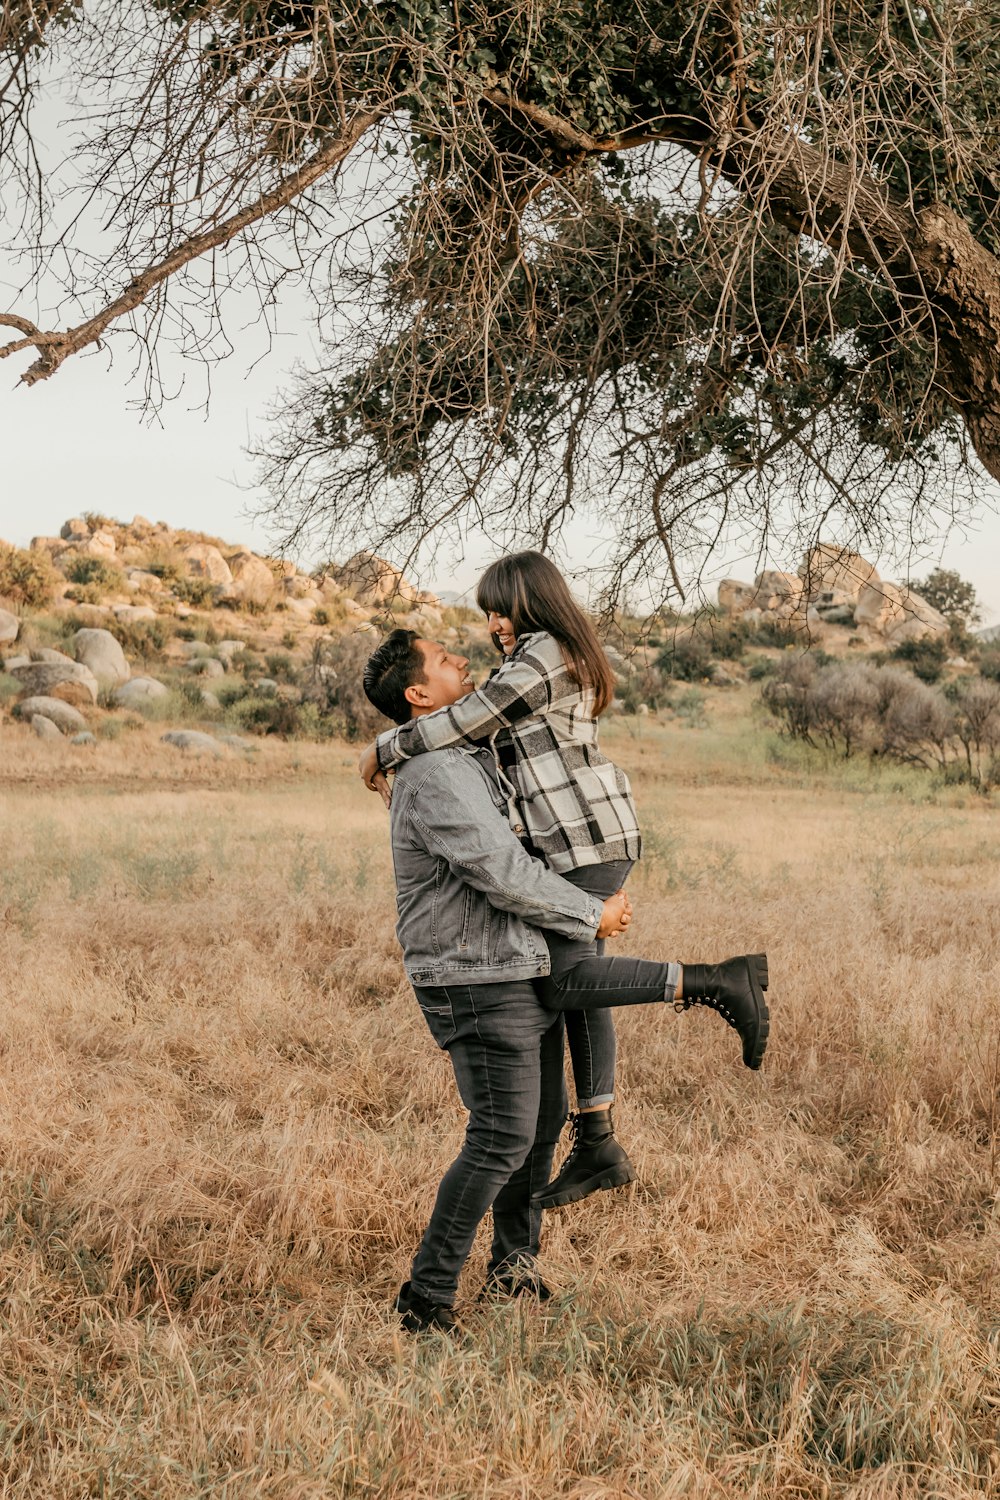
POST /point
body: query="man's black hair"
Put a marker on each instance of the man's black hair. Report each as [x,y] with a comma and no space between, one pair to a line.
[396,665]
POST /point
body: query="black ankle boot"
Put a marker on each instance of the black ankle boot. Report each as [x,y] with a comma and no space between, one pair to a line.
[418,1314]
[596,1161]
[736,990]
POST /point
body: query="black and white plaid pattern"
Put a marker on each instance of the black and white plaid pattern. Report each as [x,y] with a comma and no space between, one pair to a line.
[576,804]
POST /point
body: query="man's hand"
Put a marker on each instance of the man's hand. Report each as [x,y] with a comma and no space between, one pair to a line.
[374,779]
[616,916]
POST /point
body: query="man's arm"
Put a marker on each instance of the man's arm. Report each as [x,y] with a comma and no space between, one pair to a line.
[458,820]
[519,689]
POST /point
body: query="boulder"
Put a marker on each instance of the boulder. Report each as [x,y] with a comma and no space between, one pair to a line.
[132,612]
[10,627]
[918,621]
[206,561]
[139,692]
[63,715]
[101,544]
[226,650]
[267,686]
[781,592]
[301,587]
[77,694]
[75,530]
[15,661]
[286,568]
[99,651]
[140,527]
[43,676]
[302,609]
[146,583]
[834,606]
[735,597]
[86,738]
[206,666]
[372,580]
[44,728]
[827,567]
[48,653]
[192,741]
[209,700]
[252,581]
[897,614]
[49,544]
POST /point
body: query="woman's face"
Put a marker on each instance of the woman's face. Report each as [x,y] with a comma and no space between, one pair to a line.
[500,627]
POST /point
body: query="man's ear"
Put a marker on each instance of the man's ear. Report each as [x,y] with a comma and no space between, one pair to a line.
[417,694]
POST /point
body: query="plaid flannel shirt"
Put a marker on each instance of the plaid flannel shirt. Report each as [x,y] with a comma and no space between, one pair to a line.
[576,805]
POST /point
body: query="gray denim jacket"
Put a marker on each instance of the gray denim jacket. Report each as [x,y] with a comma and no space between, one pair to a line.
[469,896]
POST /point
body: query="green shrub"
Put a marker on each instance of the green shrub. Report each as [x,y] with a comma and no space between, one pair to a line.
[267,716]
[321,616]
[925,658]
[27,578]
[194,591]
[688,658]
[9,687]
[280,667]
[97,571]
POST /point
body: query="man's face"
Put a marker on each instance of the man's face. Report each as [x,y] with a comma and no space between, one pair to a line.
[446,678]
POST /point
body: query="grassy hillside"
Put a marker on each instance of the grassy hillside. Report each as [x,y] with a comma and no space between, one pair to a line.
[223,1122]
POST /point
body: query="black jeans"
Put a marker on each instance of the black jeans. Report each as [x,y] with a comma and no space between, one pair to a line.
[507,1053]
[583,979]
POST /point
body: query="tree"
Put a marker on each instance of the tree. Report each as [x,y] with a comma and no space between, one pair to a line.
[952,596]
[702,253]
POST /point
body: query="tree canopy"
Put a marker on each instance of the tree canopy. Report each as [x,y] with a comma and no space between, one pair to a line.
[697,264]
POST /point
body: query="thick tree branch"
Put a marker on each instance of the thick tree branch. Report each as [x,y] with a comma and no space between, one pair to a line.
[54,347]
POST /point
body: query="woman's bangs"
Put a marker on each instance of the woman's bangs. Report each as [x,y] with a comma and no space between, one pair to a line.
[490,595]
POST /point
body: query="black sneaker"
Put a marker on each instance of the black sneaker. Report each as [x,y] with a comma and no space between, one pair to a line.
[418,1315]
[595,1162]
[736,990]
[520,1283]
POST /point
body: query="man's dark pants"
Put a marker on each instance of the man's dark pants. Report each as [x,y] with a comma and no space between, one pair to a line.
[507,1053]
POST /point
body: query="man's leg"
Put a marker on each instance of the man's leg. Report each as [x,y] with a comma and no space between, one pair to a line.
[517,1221]
[493,1035]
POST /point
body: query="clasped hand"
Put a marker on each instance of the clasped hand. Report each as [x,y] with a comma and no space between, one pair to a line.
[616,916]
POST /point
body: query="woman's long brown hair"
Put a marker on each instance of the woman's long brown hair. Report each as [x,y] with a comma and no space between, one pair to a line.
[529,591]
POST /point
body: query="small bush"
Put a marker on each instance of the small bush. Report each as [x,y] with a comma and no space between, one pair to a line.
[194,591]
[96,571]
[281,667]
[9,687]
[925,658]
[688,658]
[27,578]
[321,616]
[267,716]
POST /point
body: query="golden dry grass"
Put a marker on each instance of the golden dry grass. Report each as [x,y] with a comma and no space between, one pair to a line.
[222,1125]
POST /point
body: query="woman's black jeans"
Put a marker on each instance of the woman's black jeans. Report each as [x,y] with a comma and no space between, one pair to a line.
[583,980]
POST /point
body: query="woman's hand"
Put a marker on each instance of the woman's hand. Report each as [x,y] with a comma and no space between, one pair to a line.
[374,779]
[617,915]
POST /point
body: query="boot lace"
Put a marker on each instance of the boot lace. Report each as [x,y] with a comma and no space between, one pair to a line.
[719,1006]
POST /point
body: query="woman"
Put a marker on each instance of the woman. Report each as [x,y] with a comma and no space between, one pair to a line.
[568,803]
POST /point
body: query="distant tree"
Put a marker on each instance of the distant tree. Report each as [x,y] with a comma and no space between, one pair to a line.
[952,595]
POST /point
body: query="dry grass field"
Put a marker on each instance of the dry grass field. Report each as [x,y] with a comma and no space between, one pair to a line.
[223,1121]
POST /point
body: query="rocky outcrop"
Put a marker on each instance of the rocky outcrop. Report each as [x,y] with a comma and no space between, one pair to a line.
[370,580]
[834,586]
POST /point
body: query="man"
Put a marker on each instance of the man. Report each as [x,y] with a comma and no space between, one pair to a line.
[470,899]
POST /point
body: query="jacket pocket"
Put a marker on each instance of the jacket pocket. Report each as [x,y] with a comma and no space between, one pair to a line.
[466,918]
